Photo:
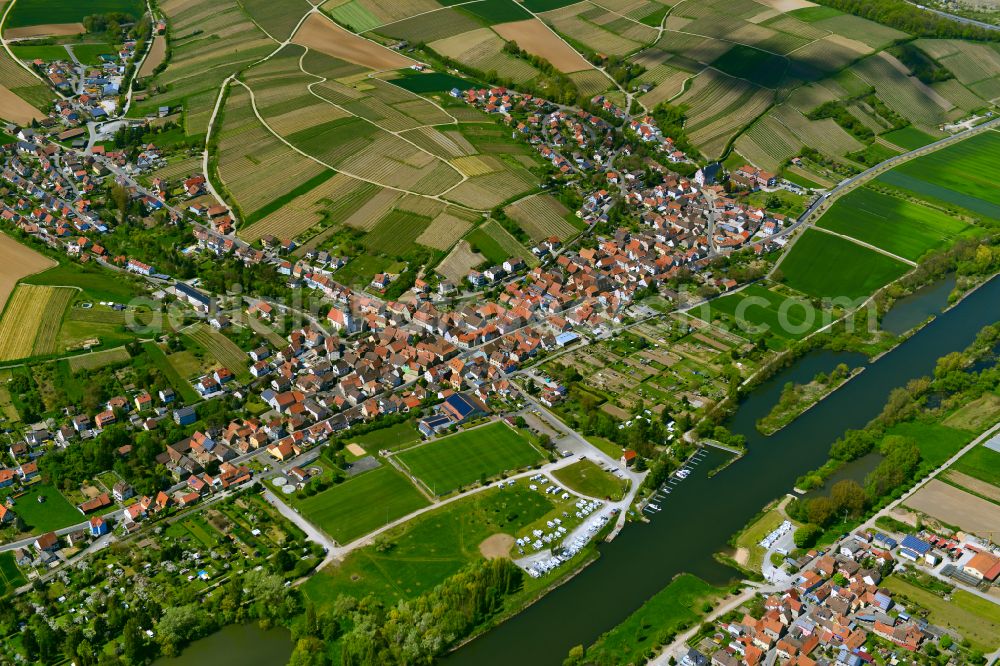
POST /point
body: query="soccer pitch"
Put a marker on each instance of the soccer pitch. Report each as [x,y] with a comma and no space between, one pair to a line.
[450,463]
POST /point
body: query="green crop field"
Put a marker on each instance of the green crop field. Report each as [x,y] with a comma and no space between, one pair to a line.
[963,175]
[586,478]
[826,266]
[447,464]
[760,67]
[434,82]
[758,306]
[396,233]
[53,513]
[363,504]
[222,349]
[908,137]
[981,462]
[906,229]
[42,12]
[497,11]
[47,52]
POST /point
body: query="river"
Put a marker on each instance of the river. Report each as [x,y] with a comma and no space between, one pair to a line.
[702,513]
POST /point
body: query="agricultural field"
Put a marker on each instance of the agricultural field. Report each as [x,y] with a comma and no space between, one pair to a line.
[98,359]
[537,39]
[10,576]
[459,262]
[898,226]
[246,149]
[482,49]
[760,67]
[18,261]
[222,349]
[445,229]
[351,509]
[580,23]
[542,216]
[905,94]
[960,176]
[322,34]
[450,463]
[719,107]
[756,309]
[178,381]
[982,463]
[497,244]
[208,42]
[22,95]
[909,138]
[278,19]
[396,233]
[30,322]
[584,477]
[825,266]
[41,12]
[331,202]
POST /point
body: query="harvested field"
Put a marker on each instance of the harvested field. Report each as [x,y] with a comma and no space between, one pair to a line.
[541,216]
[18,261]
[956,507]
[157,54]
[536,38]
[987,490]
[322,34]
[443,231]
[459,262]
[46,30]
[15,109]
[31,321]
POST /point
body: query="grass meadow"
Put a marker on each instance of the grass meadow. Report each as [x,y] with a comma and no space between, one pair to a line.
[586,478]
[53,513]
[447,464]
[424,551]
[982,463]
